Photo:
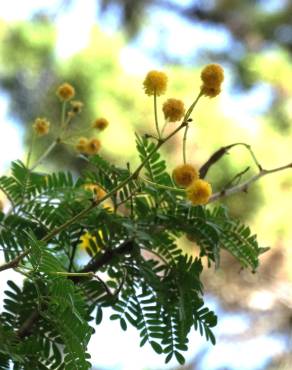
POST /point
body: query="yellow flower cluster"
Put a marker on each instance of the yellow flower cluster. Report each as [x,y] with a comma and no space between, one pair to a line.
[81,144]
[88,146]
[41,126]
[212,77]
[100,124]
[65,92]
[89,244]
[155,83]
[93,146]
[97,191]
[184,175]
[173,109]
[198,191]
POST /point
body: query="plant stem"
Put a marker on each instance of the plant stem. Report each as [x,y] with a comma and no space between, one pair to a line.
[75,274]
[163,186]
[45,154]
[30,149]
[185,144]
[15,262]
[244,186]
[156,115]
[79,215]
[248,147]
[56,141]
[63,115]
[216,156]
[191,108]
[157,255]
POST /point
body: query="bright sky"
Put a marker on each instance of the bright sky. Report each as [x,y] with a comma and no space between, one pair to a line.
[110,347]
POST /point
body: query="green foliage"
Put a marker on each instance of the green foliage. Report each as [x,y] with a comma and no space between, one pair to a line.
[151,283]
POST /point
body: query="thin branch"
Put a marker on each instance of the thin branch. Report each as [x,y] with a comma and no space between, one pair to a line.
[99,261]
[106,288]
[220,153]
[28,324]
[237,178]
[117,292]
[45,154]
[15,262]
[94,264]
[165,187]
[74,249]
[30,149]
[156,115]
[244,186]
[157,255]
[75,218]
[185,144]
[147,136]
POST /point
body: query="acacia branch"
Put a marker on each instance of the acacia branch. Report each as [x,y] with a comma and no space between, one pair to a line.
[220,153]
[245,185]
[87,210]
[15,262]
[26,327]
[221,194]
[94,265]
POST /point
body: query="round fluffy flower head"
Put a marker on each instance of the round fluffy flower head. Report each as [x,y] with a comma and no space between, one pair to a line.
[199,192]
[65,91]
[98,192]
[92,146]
[1,205]
[100,124]
[155,82]
[82,145]
[184,175]
[173,109]
[212,75]
[41,126]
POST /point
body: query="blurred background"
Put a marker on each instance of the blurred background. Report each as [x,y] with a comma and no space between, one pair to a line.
[104,48]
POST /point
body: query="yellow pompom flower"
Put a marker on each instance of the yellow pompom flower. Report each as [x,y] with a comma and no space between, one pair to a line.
[212,77]
[98,192]
[199,192]
[155,83]
[1,205]
[82,145]
[89,244]
[173,110]
[100,124]
[92,146]
[184,175]
[41,126]
[65,91]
